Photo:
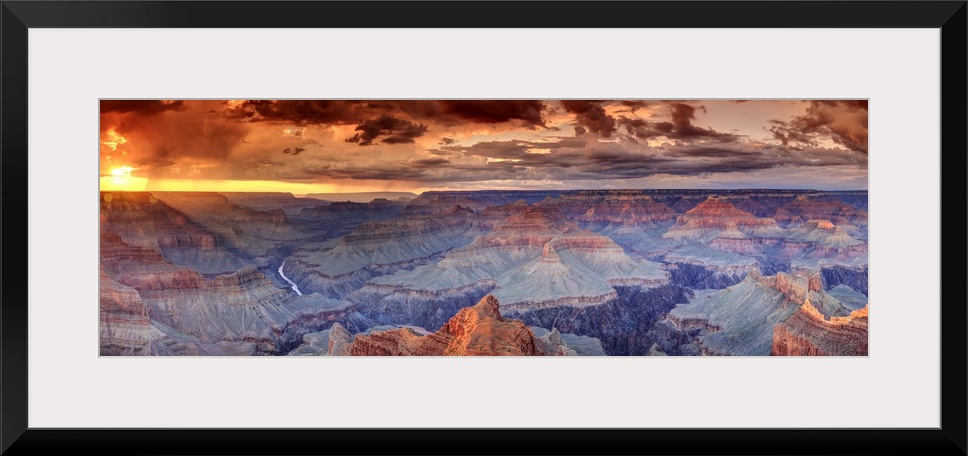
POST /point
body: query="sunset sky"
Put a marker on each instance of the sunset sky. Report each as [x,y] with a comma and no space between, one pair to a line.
[305,146]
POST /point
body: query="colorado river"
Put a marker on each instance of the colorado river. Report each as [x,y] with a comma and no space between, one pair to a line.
[290,282]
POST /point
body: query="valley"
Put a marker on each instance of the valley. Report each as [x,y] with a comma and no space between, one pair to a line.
[496,272]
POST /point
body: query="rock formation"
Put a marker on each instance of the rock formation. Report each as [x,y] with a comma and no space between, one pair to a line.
[475,331]
[716,217]
[739,320]
[617,272]
[809,333]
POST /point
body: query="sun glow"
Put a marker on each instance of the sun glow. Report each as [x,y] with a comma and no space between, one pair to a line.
[122,180]
[121,175]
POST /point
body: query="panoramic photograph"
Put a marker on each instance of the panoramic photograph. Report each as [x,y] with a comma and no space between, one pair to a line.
[483,227]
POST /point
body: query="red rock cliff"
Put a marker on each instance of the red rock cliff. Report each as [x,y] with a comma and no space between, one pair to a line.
[808,333]
[475,331]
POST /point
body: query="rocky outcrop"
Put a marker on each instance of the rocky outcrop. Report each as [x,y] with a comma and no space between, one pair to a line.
[739,320]
[125,328]
[716,217]
[819,207]
[601,208]
[795,288]
[475,331]
[552,344]
[809,333]
[567,344]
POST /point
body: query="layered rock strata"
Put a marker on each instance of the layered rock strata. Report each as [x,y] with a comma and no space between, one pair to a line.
[475,331]
[809,333]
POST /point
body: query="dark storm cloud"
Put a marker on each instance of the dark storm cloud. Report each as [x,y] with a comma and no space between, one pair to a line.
[591,116]
[344,112]
[790,136]
[641,128]
[495,111]
[301,112]
[446,141]
[680,127]
[143,107]
[396,131]
[430,162]
[633,105]
[843,121]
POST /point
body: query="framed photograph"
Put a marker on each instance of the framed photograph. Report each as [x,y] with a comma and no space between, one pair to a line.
[669,214]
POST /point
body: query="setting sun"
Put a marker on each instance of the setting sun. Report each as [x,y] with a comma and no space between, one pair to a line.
[121,175]
[122,180]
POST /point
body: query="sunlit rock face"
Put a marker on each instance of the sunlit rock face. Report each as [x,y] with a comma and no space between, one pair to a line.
[479,330]
[810,333]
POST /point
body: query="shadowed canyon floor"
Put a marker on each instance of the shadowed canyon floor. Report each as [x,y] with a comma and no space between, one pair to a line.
[595,272]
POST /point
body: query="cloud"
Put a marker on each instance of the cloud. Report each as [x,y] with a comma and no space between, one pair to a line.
[396,131]
[495,111]
[590,116]
[577,158]
[430,162]
[346,112]
[188,134]
[143,107]
[842,121]
[680,127]
[459,141]
[300,112]
[640,128]
[633,105]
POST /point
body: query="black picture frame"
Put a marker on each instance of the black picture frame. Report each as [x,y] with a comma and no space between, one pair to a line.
[17,16]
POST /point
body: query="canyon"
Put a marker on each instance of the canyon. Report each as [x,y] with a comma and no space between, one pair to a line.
[497,272]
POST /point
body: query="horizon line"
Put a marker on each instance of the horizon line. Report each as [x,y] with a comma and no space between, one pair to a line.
[499,190]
